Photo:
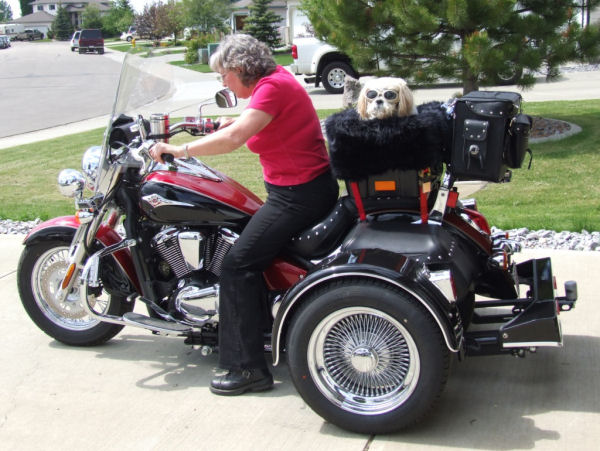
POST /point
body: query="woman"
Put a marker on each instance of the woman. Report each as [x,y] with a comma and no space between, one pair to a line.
[282,127]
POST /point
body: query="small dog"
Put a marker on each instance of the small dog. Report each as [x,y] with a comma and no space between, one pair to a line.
[385,97]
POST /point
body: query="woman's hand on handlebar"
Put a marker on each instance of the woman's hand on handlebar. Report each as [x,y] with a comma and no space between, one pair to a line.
[225,121]
[157,151]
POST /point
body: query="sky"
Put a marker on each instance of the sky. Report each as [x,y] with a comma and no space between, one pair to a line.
[138,6]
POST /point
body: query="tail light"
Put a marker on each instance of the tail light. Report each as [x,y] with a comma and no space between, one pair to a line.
[295,51]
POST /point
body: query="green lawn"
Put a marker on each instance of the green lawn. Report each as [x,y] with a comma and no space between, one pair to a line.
[558,192]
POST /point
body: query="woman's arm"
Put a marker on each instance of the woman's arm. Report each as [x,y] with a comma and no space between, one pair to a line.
[224,140]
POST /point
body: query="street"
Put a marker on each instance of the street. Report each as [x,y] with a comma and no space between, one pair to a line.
[44,84]
[51,91]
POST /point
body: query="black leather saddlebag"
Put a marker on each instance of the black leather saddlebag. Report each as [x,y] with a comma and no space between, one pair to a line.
[489,135]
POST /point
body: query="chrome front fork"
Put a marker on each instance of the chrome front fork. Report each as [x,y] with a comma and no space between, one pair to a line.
[84,238]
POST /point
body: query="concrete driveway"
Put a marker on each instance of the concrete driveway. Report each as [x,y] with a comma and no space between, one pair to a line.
[146,392]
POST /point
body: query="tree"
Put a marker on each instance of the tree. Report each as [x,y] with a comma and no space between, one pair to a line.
[470,40]
[159,19]
[26,8]
[62,28]
[5,11]
[261,23]
[173,20]
[207,15]
[119,18]
[147,22]
[91,17]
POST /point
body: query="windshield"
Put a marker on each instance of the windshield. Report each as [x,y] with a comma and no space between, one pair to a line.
[152,85]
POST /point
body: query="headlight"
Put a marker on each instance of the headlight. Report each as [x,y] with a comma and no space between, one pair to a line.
[90,163]
[70,182]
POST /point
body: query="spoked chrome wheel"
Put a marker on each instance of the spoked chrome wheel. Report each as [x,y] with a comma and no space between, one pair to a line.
[366,356]
[46,277]
[363,360]
[40,273]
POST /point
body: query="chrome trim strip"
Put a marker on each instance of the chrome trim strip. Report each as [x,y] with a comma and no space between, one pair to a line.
[530,344]
[445,333]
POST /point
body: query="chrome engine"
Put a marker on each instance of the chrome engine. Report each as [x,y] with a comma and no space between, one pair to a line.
[186,252]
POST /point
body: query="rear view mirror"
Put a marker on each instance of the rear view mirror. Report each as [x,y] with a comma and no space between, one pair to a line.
[225,99]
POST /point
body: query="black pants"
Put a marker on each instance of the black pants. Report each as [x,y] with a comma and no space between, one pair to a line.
[242,304]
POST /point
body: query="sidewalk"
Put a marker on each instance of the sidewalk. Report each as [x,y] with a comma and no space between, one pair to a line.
[146,392]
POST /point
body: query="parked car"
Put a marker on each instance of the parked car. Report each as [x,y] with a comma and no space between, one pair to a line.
[4,42]
[91,40]
[75,41]
[130,34]
[29,35]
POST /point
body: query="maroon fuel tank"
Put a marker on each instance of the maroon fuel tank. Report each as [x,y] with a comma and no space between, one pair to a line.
[208,198]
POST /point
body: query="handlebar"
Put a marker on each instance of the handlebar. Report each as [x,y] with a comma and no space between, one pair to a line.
[167,157]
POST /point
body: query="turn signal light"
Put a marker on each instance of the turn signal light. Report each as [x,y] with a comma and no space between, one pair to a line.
[68,276]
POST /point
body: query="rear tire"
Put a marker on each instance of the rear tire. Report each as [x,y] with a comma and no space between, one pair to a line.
[39,274]
[334,76]
[367,357]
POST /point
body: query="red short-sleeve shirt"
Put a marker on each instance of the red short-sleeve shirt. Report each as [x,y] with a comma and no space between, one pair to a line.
[291,147]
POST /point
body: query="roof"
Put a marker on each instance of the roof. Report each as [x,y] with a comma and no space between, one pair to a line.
[244,4]
[35,18]
[66,3]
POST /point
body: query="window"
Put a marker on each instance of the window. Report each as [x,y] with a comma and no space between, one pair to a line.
[52,7]
[40,7]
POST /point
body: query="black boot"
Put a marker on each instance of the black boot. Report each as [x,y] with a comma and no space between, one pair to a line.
[236,382]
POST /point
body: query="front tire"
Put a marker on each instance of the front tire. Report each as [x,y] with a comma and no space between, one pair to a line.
[40,272]
[367,357]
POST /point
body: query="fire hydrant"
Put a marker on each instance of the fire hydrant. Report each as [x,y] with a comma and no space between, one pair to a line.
[133,42]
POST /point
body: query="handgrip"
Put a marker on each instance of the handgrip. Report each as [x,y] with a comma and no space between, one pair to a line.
[167,157]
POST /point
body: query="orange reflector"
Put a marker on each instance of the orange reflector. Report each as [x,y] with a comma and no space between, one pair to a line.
[385,185]
[68,276]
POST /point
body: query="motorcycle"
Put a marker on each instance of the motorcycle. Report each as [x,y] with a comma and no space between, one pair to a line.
[368,307]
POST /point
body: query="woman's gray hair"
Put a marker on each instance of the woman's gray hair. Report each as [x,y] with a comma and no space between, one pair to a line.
[246,54]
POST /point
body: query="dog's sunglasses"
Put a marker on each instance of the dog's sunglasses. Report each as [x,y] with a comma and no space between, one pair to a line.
[388,94]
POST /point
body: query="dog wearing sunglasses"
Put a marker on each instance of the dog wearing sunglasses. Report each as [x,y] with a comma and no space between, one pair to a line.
[385,97]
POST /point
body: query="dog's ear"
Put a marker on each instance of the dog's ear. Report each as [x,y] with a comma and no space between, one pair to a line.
[361,105]
[406,106]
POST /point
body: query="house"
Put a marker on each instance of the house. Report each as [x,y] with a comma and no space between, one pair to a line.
[74,8]
[44,13]
[39,20]
[293,23]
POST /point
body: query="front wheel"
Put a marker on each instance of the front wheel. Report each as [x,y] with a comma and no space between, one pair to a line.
[367,357]
[40,272]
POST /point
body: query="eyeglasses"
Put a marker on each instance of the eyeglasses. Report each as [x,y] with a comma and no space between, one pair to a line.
[387,94]
[221,76]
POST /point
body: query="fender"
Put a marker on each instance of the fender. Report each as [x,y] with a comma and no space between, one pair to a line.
[395,269]
[66,226]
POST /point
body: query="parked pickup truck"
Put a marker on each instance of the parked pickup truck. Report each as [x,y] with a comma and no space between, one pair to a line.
[324,63]
[28,35]
[321,63]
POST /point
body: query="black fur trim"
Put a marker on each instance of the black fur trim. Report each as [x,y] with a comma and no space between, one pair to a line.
[360,148]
